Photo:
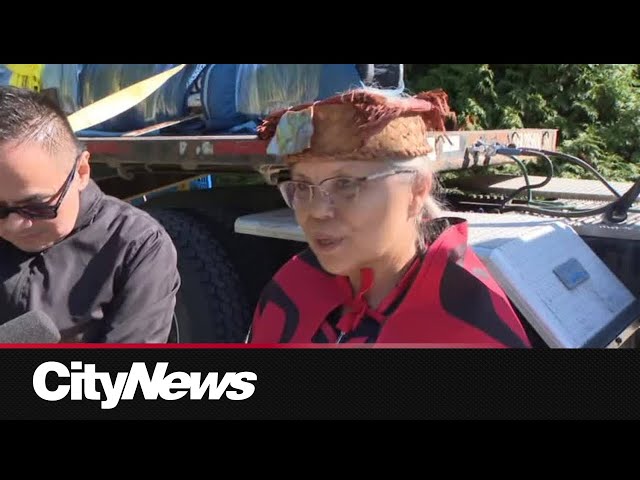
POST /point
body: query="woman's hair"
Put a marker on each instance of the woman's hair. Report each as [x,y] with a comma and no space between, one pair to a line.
[433,207]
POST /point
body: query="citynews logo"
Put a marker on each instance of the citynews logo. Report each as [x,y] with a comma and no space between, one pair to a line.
[84,378]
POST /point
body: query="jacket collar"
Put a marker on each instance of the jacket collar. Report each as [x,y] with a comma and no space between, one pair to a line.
[90,199]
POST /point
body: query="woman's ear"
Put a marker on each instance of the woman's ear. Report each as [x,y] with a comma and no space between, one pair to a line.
[420,190]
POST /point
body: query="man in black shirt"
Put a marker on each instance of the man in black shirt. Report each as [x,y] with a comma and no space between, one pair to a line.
[103,270]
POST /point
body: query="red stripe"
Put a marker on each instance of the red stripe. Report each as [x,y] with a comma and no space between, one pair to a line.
[240,147]
[107,147]
[221,346]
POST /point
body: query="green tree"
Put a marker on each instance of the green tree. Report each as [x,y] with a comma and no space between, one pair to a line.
[595,107]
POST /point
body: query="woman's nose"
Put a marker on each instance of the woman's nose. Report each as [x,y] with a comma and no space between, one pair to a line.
[321,204]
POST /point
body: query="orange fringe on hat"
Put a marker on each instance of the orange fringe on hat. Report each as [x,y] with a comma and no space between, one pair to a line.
[364,125]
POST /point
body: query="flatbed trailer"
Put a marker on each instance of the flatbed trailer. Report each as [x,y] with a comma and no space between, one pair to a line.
[233,237]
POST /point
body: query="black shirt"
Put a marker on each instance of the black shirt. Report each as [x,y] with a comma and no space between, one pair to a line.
[113,279]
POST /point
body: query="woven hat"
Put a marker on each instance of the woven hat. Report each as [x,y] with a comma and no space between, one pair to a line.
[358,125]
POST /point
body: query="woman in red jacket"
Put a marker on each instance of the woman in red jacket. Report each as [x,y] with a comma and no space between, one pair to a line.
[384,264]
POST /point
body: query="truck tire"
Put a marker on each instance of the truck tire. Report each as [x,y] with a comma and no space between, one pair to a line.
[211,305]
[256,259]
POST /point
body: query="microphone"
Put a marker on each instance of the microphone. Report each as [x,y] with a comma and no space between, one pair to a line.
[32,327]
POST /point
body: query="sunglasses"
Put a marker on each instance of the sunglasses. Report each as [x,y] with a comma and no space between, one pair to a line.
[43,210]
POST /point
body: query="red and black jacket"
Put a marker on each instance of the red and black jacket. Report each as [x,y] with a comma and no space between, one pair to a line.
[447,298]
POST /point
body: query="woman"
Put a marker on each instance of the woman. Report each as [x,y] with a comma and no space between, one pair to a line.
[384,264]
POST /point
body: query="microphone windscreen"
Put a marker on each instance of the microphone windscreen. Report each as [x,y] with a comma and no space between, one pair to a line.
[32,327]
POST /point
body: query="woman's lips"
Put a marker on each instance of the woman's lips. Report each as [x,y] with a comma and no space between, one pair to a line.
[326,243]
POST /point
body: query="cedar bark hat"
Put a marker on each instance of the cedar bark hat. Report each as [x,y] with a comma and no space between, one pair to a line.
[358,125]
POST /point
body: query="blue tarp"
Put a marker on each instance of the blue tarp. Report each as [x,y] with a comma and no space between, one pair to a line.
[235,97]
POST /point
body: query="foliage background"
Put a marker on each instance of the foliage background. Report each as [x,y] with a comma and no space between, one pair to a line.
[595,107]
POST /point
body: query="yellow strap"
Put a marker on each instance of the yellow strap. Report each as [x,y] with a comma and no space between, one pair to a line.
[26,69]
[26,75]
[118,102]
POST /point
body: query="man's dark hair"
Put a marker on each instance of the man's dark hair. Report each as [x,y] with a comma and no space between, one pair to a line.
[30,116]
